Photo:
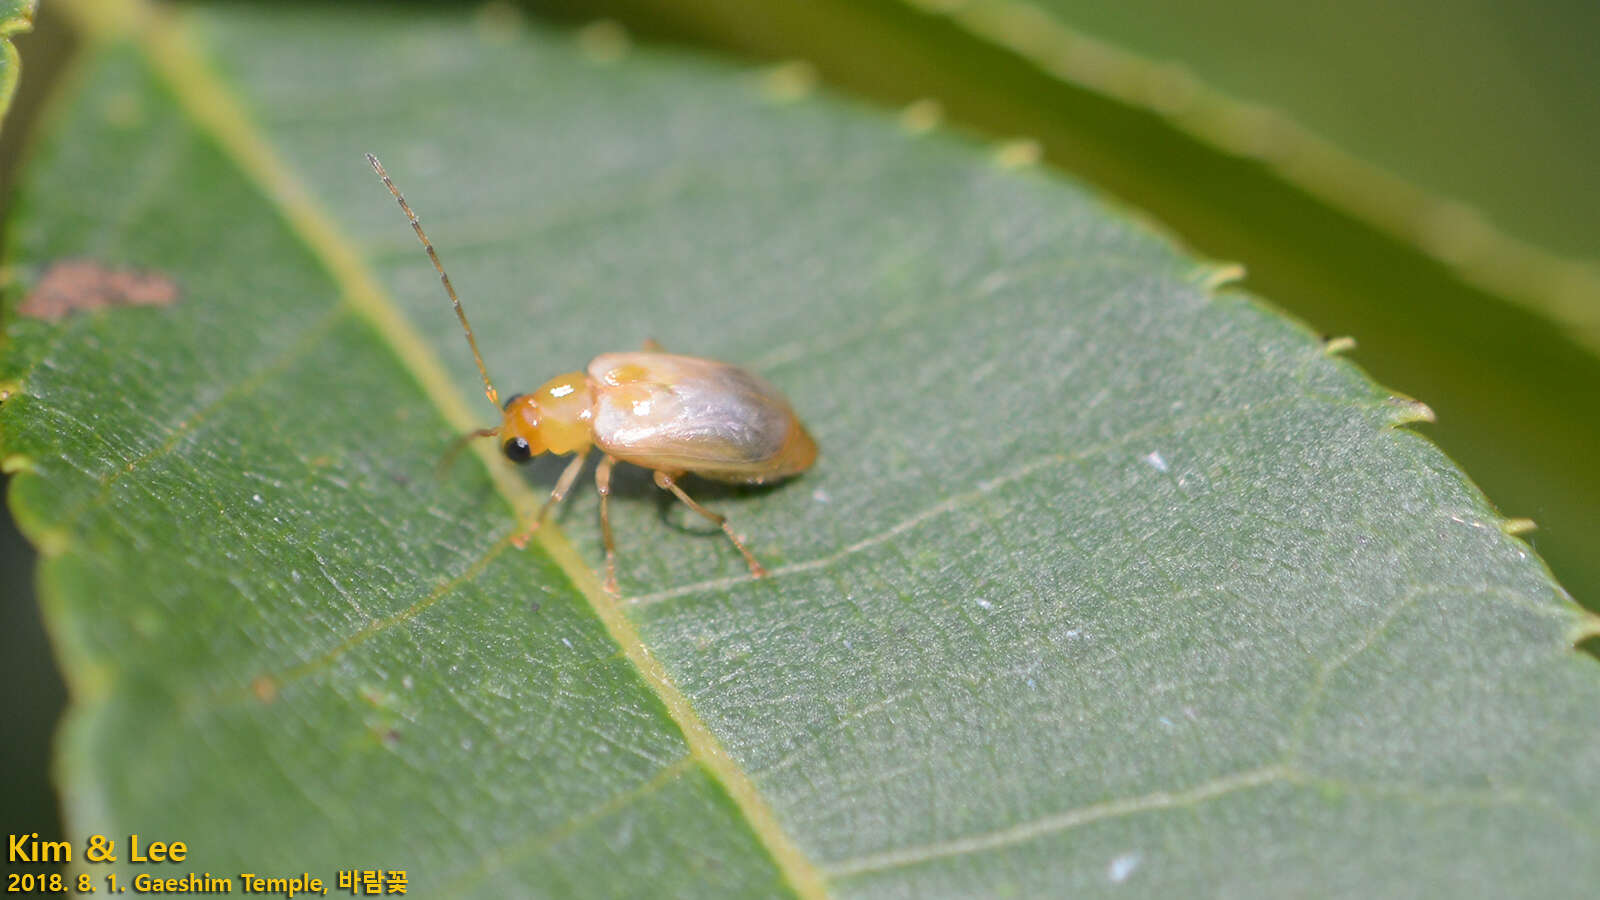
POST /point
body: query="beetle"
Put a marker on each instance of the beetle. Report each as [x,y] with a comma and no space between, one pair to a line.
[668,413]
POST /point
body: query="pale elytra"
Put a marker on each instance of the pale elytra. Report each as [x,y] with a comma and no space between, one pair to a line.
[667,413]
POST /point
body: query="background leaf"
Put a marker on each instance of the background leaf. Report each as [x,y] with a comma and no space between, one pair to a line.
[1440,96]
[1104,578]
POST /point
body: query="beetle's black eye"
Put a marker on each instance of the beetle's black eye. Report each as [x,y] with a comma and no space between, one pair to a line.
[517,450]
[510,400]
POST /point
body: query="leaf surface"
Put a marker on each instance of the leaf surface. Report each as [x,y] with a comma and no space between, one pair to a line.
[1104,578]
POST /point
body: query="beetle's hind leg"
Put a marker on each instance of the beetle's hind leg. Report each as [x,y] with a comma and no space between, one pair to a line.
[668,482]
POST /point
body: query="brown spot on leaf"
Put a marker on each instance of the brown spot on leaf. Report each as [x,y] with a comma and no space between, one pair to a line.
[73,285]
[265,687]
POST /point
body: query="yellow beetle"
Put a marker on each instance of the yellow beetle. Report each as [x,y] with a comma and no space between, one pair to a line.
[668,413]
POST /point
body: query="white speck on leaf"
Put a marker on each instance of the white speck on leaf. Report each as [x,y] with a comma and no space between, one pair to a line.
[1155,461]
[819,495]
[1122,867]
[566,643]
[256,497]
[983,604]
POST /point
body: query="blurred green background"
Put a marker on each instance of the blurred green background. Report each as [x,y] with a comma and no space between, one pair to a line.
[1417,175]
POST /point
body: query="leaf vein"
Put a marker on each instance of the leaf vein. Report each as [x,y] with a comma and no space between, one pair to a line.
[239,390]
[1059,822]
[956,501]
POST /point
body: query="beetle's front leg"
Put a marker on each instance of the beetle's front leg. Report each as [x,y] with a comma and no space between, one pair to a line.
[563,485]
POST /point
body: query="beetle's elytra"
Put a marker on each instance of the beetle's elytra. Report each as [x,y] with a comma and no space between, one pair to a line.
[668,413]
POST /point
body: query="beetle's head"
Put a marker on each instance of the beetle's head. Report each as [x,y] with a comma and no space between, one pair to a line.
[553,419]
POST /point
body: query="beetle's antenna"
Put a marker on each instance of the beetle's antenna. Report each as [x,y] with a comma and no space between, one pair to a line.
[488,386]
[459,444]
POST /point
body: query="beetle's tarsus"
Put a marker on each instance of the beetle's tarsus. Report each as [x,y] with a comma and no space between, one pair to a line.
[669,482]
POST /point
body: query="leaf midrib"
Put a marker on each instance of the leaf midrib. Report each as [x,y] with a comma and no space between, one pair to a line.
[212,109]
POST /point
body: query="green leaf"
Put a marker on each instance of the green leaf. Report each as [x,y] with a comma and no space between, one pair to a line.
[16,17]
[1492,111]
[1104,578]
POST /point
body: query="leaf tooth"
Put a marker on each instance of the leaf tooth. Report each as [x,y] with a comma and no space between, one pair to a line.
[789,81]
[1408,411]
[499,22]
[16,462]
[1019,153]
[50,542]
[1214,276]
[1585,628]
[922,116]
[604,41]
[1336,345]
[1518,526]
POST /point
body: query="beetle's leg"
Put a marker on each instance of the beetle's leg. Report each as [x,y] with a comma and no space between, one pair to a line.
[563,485]
[651,345]
[602,483]
[667,482]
